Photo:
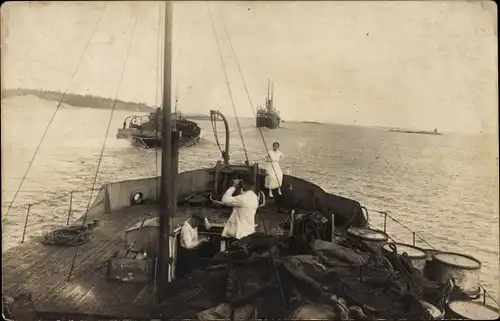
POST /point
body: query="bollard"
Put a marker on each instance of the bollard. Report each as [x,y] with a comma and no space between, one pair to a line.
[70,206]
[26,222]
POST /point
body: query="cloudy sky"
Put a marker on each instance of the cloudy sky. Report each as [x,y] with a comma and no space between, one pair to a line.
[397,63]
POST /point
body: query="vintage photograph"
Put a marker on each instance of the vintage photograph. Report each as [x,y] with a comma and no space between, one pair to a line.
[244,160]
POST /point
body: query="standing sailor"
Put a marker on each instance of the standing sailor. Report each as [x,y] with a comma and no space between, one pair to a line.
[242,220]
[274,177]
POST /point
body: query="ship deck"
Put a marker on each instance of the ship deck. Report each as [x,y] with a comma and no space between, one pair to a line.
[42,270]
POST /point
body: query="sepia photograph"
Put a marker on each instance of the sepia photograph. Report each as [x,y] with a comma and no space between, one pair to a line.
[250,160]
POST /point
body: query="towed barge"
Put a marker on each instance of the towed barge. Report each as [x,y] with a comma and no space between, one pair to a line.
[146,131]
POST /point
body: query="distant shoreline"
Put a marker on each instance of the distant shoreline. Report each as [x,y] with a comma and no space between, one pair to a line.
[78,100]
[198,117]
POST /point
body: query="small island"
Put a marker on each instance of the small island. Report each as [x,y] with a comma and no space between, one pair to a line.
[434,132]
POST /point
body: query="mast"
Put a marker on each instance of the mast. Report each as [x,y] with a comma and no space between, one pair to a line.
[272,97]
[268,98]
[166,201]
[268,88]
[176,98]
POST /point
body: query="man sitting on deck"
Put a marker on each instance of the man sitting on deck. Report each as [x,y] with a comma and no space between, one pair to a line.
[241,223]
[190,244]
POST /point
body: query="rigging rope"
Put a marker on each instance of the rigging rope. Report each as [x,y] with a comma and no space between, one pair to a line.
[248,94]
[54,114]
[105,138]
[227,83]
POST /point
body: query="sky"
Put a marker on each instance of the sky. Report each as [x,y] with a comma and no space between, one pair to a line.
[410,64]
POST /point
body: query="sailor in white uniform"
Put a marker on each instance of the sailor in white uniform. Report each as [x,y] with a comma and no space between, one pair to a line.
[189,232]
[191,245]
[274,177]
[241,223]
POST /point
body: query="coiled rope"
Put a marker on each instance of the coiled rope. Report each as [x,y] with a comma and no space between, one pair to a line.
[68,236]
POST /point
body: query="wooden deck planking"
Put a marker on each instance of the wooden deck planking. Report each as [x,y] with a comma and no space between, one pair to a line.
[83,279]
[15,258]
[50,282]
[21,250]
[87,273]
[100,294]
[67,298]
[79,293]
[146,296]
[33,251]
[57,269]
[82,271]
[86,295]
[123,301]
[37,260]
[48,262]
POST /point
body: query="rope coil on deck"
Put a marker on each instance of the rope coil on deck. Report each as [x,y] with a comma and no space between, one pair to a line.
[68,236]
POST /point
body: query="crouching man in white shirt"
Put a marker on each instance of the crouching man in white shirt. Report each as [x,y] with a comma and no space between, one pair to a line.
[190,244]
[241,223]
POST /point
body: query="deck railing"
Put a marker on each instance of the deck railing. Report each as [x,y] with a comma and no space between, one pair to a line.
[18,219]
[72,199]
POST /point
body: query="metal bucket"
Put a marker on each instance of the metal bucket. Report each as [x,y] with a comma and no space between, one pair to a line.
[471,310]
[463,269]
[371,237]
[416,255]
[437,313]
